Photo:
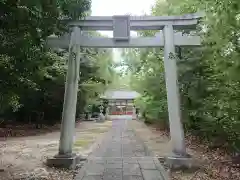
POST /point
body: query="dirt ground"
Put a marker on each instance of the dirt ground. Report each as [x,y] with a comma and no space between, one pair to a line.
[209,161]
[24,157]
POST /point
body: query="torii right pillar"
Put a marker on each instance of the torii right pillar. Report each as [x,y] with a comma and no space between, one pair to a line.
[179,156]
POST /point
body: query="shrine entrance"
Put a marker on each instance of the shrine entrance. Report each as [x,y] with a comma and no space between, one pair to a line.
[120,103]
[168,37]
[120,107]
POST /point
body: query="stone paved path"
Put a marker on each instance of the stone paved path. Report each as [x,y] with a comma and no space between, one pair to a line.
[121,156]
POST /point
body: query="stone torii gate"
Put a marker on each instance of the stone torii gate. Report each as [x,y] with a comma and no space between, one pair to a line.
[121,27]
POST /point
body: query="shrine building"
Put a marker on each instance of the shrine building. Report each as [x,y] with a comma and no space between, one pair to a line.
[120,102]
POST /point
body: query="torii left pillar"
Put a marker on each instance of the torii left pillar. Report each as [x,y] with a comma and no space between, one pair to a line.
[65,157]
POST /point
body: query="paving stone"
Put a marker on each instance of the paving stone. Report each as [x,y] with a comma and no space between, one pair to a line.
[121,156]
[130,160]
[112,155]
[127,155]
[147,158]
[133,178]
[96,161]
[151,175]
[114,165]
[132,169]
[147,165]
[114,160]
[92,178]
[139,154]
[113,174]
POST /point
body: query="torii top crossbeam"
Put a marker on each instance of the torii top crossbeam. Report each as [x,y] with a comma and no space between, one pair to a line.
[121,27]
[188,21]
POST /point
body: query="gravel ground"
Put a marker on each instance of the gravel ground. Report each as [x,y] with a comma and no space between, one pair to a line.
[23,158]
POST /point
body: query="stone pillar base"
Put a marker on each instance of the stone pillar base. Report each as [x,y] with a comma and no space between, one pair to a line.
[181,162]
[101,118]
[65,161]
[106,117]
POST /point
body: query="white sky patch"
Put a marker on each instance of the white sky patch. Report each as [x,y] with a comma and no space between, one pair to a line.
[120,7]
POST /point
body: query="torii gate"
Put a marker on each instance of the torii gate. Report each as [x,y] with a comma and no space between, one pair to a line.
[121,26]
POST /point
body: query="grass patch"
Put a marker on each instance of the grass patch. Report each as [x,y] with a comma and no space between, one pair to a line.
[82,142]
[98,130]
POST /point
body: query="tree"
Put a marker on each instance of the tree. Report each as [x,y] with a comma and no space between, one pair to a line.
[32,76]
[208,76]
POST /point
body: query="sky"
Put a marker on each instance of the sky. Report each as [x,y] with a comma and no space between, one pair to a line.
[120,7]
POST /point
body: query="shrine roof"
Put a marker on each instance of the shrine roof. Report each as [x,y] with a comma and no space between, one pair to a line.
[120,95]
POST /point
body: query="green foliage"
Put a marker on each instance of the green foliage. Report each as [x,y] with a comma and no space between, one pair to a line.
[208,76]
[148,78]
[32,77]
